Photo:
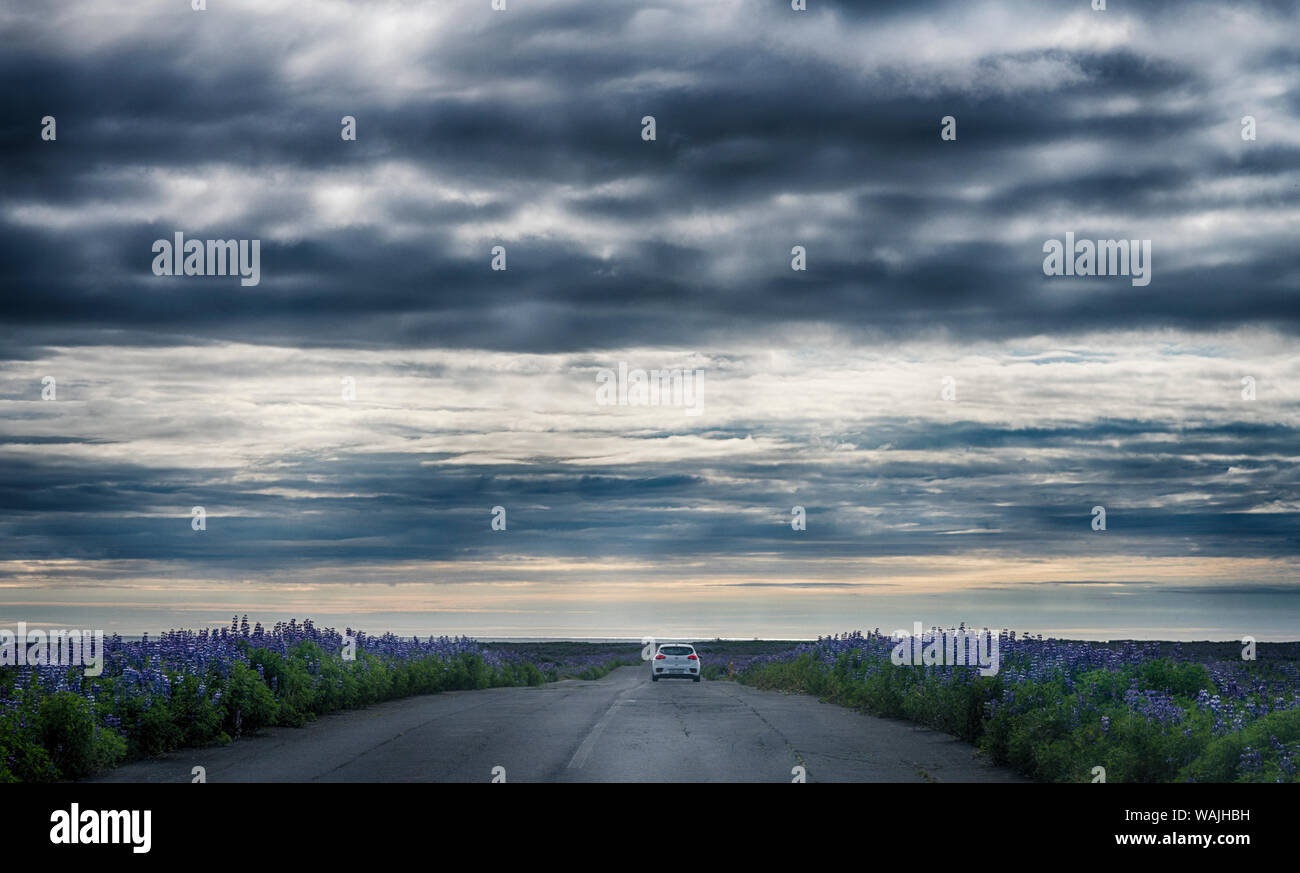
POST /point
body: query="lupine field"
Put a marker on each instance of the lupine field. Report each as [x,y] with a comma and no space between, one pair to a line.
[188,688]
[1145,712]
[1056,709]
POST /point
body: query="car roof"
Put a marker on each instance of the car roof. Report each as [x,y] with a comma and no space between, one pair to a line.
[687,645]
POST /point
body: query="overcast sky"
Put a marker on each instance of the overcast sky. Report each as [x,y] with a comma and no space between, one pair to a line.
[947,414]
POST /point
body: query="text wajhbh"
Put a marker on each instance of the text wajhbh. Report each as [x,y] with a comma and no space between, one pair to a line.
[951,648]
[56,648]
[214,257]
[1105,257]
[655,388]
[91,826]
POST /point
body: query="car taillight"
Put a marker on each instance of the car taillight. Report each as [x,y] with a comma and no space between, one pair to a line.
[659,657]
[691,658]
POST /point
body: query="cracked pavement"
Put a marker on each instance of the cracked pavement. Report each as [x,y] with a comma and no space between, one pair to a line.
[622,728]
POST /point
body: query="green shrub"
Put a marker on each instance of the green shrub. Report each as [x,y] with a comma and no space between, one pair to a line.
[1221,759]
[152,732]
[21,757]
[1181,680]
[247,703]
[76,745]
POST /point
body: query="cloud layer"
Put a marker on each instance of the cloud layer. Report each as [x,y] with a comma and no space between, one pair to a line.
[823,387]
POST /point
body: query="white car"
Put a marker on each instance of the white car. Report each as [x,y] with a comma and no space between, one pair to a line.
[675,661]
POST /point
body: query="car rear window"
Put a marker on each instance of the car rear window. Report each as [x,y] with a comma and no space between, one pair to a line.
[675,650]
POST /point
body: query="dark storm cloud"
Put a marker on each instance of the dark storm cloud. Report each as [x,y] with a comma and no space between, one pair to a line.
[742,120]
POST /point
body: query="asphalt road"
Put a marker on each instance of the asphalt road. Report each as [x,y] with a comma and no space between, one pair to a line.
[622,728]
